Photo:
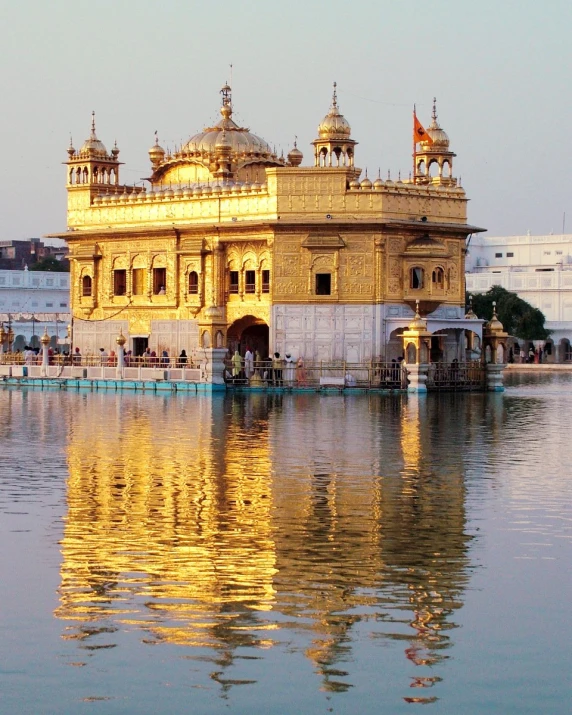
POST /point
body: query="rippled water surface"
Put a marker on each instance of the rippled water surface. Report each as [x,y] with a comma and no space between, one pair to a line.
[286,554]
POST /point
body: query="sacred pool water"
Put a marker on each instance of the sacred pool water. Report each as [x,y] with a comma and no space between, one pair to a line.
[286,553]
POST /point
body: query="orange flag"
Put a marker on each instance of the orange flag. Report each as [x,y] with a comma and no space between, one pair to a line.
[419,133]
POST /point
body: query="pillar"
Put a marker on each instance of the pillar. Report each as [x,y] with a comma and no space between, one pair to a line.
[212,365]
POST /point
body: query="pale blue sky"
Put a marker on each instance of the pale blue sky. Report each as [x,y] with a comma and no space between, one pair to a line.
[500,71]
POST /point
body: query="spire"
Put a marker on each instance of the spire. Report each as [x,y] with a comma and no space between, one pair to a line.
[93,135]
[226,106]
[335,97]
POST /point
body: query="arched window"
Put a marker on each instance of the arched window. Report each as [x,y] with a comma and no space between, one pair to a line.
[86,286]
[438,277]
[193,282]
[416,278]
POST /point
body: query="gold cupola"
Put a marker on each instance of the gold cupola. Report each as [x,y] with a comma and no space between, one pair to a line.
[93,165]
[334,146]
[92,146]
[435,153]
[156,153]
[295,156]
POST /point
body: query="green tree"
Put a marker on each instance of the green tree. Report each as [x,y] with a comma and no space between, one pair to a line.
[51,263]
[518,317]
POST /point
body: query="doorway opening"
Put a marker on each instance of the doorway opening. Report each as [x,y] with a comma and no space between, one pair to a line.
[139,346]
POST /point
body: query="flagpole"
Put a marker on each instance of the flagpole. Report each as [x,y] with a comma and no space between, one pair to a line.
[414,148]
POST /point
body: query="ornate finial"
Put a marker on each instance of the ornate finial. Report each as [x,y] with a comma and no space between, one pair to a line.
[389,175]
[417,309]
[335,97]
[399,175]
[226,94]
[93,125]
[295,142]
[434,112]
[494,309]
[409,177]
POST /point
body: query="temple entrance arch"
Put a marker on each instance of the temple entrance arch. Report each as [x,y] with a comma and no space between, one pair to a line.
[249,331]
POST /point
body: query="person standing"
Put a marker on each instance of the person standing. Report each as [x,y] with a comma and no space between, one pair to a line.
[277,369]
[301,371]
[248,363]
[289,370]
[236,365]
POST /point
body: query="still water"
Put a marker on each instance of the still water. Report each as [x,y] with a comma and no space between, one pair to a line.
[286,554]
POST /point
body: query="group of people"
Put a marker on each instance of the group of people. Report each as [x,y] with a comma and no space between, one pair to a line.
[533,356]
[273,369]
[148,359]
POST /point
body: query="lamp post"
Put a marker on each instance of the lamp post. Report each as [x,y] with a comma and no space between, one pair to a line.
[45,341]
[120,340]
[10,335]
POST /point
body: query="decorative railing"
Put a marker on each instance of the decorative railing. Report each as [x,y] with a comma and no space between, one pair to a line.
[374,374]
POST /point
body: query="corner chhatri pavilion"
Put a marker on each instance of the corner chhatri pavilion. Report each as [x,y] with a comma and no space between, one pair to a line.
[231,245]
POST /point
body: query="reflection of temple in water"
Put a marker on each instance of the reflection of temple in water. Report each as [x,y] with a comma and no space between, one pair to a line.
[198,520]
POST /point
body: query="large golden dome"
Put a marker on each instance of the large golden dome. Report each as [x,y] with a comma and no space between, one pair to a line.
[334,125]
[244,145]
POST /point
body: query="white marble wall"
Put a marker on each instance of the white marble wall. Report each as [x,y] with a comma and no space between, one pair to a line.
[170,335]
[355,333]
[326,332]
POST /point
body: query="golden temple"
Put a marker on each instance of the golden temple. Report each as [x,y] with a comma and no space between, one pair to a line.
[231,244]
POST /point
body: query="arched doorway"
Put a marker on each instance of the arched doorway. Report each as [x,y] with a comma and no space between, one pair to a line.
[249,332]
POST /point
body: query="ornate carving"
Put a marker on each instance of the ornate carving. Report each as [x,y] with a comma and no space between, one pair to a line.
[356,266]
[394,277]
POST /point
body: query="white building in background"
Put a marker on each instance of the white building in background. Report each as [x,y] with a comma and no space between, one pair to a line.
[31,301]
[538,269]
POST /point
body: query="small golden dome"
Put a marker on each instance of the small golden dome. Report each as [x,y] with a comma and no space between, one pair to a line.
[366,183]
[417,323]
[494,324]
[470,314]
[92,146]
[334,125]
[156,152]
[295,156]
[437,134]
